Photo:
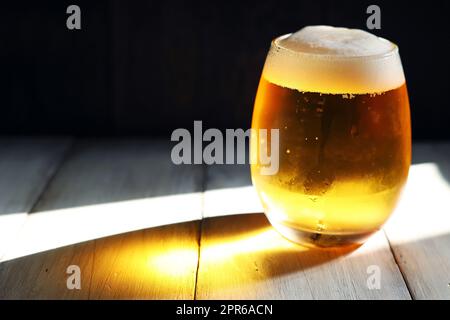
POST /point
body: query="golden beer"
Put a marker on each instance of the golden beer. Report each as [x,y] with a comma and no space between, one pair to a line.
[344,142]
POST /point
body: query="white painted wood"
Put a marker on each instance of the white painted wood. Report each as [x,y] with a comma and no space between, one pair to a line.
[103,190]
[111,187]
[419,230]
[243,257]
[156,263]
[108,188]
[44,275]
[26,165]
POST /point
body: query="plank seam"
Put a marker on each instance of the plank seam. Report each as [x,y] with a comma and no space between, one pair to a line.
[45,186]
[66,154]
[405,280]
[200,228]
[92,269]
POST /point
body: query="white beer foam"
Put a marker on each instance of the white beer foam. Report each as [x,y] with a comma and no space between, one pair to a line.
[334,60]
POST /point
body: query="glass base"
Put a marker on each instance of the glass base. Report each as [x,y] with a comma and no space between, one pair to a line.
[321,240]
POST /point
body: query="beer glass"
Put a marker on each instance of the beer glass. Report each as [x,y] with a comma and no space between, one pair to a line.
[339,101]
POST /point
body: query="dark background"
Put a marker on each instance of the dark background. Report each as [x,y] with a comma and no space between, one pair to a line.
[148,67]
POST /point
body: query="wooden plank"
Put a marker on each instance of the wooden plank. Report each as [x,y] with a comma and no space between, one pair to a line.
[107,188]
[419,230]
[26,165]
[154,263]
[229,191]
[111,187]
[243,257]
[44,275]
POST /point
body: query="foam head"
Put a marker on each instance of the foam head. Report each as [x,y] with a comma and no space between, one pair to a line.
[334,60]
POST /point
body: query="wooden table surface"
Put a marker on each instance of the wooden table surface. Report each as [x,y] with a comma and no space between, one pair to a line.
[140,227]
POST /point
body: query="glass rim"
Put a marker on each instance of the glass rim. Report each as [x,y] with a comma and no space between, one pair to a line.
[393,51]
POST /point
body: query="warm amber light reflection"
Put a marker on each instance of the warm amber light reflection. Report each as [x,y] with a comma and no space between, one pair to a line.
[172,263]
[245,252]
[159,262]
[263,240]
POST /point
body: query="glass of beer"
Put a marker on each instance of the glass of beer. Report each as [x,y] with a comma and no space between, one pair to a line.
[339,101]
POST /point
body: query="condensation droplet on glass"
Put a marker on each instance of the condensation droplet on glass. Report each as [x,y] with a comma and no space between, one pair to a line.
[317,138]
[288,151]
[320,225]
